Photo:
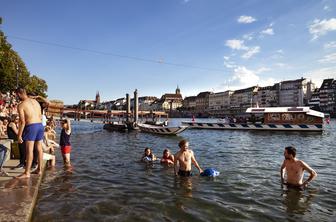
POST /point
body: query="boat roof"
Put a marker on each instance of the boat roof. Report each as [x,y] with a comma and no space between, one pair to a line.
[302,109]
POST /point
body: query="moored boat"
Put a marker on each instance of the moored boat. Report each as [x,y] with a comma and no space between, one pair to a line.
[164,130]
[271,118]
[115,126]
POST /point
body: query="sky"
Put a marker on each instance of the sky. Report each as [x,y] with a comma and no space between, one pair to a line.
[116,46]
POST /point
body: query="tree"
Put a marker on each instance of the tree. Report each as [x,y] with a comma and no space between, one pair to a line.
[13,71]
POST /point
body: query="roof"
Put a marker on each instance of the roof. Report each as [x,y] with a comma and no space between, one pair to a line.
[172,96]
[303,109]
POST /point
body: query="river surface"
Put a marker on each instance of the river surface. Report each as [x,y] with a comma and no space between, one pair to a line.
[109,183]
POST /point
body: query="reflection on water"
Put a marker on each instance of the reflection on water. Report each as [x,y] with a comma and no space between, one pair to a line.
[109,183]
[296,201]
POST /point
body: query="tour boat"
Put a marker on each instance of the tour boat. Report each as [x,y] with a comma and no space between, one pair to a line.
[272,118]
[164,130]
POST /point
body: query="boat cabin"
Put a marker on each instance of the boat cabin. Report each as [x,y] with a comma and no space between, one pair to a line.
[287,115]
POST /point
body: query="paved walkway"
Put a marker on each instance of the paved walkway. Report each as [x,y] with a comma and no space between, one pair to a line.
[18,197]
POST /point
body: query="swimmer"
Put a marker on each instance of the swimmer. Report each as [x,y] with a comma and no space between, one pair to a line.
[148,155]
[167,158]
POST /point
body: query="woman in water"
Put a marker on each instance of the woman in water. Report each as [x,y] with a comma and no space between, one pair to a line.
[167,158]
[148,156]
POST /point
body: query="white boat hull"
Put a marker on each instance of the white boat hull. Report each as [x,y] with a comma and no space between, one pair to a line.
[163,130]
[250,126]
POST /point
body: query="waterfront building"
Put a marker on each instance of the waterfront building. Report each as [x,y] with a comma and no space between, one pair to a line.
[295,92]
[189,103]
[202,102]
[168,101]
[219,103]
[119,104]
[243,99]
[145,102]
[90,104]
[268,96]
[314,101]
[328,96]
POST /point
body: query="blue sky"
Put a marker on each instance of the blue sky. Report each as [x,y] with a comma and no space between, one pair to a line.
[154,45]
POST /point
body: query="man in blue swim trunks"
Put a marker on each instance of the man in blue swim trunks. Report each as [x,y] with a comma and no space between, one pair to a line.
[31,130]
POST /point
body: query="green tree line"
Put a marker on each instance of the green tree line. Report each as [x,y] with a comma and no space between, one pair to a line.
[13,71]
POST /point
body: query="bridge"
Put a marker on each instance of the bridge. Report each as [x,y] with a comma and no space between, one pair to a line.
[106,114]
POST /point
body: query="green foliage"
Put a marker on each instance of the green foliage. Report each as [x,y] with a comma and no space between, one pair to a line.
[12,68]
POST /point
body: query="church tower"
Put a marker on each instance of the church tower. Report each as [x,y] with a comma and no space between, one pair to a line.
[97,98]
[177,91]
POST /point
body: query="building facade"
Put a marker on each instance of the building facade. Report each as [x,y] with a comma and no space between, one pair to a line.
[202,102]
[219,103]
[268,96]
[243,99]
[328,96]
[169,101]
[292,92]
[189,103]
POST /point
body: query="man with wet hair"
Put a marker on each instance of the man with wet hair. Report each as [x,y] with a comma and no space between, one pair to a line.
[294,169]
[31,130]
[184,158]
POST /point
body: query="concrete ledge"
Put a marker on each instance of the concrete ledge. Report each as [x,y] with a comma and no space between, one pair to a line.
[18,197]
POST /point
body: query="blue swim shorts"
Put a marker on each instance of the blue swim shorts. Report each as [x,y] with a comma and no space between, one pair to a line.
[33,132]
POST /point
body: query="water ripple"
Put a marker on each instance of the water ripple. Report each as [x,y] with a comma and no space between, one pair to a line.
[109,183]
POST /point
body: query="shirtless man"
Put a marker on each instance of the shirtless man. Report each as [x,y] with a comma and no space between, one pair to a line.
[185,157]
[295,169]
[30,130]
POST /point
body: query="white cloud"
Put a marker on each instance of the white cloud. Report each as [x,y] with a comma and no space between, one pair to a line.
[262,69]
[248,36]
[229,64]
[281,65]
[236,44]
[243,78]
[268,31]
[250,52]
[331,58]
[246,19]
[318,75]
[326,8]
[330,45]
[322,27]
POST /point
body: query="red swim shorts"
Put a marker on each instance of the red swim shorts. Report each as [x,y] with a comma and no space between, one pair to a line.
[66,149]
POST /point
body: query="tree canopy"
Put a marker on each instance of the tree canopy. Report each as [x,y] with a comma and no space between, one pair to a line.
[13,71]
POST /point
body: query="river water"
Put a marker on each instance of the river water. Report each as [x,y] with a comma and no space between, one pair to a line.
[109,183]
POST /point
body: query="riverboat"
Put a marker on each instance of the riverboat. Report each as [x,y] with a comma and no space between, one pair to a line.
[271,118]
[163,130]
[116,126]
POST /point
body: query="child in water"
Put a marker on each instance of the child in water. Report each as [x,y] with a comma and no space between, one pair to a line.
[148,156]
[167,158]
[65,141]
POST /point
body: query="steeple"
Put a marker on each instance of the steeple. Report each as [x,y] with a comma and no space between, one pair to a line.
[97,98]
[177,91]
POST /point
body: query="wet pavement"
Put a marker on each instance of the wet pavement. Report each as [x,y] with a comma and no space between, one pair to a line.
[18,196]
